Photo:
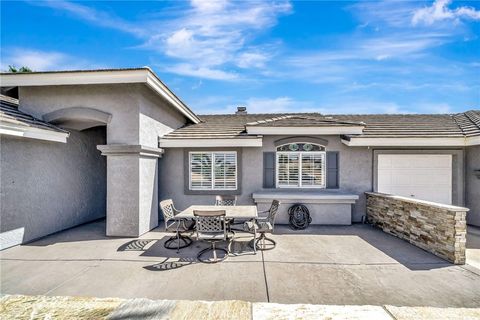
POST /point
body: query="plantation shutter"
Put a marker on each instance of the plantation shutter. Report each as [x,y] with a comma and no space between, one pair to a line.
[213,171]
[200,171]
[269,169]
[225,173]
[332,170]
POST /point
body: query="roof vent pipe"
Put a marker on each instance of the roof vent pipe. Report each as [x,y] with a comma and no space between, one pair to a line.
[241,110]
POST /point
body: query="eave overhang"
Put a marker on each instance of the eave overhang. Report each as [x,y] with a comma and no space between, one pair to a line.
[18,130]
[411,141]
[85,77]
[208,142]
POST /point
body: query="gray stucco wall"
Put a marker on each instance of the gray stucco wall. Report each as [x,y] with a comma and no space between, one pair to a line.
[139,117]
[355,173]
[357,166]
[47,186]
[472,185]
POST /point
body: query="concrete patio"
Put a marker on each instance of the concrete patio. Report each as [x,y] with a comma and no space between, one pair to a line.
[352,265]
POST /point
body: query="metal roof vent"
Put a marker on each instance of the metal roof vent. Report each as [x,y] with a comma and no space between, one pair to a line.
[241,110]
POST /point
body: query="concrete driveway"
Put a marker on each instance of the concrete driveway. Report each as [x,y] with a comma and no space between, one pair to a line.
[354,265]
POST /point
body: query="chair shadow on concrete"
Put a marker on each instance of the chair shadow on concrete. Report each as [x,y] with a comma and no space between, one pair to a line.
[135,245]
[400,250]
[171,259]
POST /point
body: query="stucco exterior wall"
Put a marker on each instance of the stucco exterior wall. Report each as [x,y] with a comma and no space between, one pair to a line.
[157,118]
[472,185]
[49,186]
[355,173]
[138,118]
[121,101]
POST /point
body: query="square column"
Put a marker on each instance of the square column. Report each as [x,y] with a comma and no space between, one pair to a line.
[132,189]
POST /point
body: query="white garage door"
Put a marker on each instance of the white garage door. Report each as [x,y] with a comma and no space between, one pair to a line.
[425,177]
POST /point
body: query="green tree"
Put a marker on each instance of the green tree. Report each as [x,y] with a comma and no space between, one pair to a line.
[14,69]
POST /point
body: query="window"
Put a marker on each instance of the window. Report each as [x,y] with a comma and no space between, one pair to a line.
[300,165]
[213,170]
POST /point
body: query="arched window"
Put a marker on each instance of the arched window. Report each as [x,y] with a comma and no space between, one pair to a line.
[301,165]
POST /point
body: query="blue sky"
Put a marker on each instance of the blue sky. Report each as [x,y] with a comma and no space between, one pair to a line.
[325,56]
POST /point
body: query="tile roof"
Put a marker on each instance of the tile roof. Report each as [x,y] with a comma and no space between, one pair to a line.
[407,125]
[469,122]
[375,125]
[299,120]
[9,113]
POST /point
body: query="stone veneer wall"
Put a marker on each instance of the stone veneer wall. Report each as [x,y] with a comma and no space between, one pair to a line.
[437,228]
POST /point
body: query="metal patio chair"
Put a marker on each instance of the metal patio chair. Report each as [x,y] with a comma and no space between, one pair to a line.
[263,225]
[211,226]
[172,224]
[225,200]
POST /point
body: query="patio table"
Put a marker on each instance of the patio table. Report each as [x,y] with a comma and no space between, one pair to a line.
[232,212]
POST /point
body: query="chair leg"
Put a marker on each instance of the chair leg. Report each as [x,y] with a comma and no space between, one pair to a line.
[263,243]
[215,257]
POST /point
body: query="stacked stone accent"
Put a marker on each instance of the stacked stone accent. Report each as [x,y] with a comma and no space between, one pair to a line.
[437,228]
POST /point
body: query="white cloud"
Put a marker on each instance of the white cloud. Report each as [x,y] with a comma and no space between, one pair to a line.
[209,5]
[209,36]
[91,15]
[201,72]
[38,60]
[252,59]
[219,33]
[439,11]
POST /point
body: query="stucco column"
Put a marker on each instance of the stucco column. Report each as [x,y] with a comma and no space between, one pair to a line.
[132,188]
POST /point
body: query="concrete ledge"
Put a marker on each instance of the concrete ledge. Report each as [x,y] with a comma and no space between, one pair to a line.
[317,196]
[125,149]
[325,207]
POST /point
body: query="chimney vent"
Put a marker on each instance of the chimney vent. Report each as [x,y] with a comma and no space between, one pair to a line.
[241,110]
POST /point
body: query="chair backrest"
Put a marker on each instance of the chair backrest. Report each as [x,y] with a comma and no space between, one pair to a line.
[168,209]
[225,200]
[210,221]
[272,212]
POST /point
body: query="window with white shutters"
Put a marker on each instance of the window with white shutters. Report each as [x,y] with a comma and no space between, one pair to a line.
[213,170]
[301,165]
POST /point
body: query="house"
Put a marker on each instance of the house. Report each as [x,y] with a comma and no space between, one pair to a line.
[80,145]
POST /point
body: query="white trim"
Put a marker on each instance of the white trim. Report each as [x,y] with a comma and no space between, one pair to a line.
[332,130]
[33,133]
[473,141]
[306,197]
[185,143]
[212,188]
[412,142]
[300,186]
[98,77]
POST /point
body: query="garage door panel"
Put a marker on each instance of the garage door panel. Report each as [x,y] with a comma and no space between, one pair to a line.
[426,177]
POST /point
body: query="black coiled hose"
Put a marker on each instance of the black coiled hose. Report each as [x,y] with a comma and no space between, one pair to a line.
[299,217]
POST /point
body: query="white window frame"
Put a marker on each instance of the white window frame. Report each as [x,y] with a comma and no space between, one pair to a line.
[300,153]
[212,187]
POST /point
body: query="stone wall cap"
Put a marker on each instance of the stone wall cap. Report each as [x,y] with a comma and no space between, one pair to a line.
[126,149]
[424,202]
